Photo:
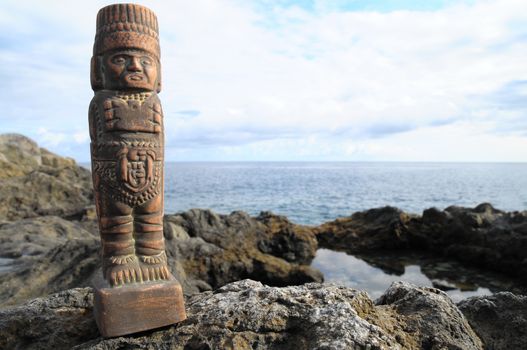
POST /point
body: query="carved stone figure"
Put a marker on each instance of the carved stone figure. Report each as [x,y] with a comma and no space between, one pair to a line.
[127,145]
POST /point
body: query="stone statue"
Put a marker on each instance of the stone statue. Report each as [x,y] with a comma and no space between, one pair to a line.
[127,146]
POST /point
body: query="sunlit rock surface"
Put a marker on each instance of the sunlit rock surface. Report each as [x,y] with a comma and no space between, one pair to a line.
[249,315]
[34,181]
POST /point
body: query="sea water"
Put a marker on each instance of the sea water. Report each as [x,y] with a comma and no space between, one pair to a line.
[314,192]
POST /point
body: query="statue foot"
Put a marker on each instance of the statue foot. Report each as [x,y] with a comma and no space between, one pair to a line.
[154,267]
[122,269]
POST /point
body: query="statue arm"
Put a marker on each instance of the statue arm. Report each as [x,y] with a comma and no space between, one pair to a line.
[92,115]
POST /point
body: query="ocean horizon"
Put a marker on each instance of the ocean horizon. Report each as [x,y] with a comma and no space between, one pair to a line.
[314,192]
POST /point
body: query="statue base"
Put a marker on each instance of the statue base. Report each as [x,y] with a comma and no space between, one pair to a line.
[136,307]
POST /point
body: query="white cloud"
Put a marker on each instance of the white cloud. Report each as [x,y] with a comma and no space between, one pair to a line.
[288,83]
[50,138]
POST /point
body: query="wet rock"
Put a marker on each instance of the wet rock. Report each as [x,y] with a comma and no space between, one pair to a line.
[249,315]
[500,320]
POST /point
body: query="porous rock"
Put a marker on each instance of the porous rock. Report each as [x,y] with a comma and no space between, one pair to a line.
[58,321]
[249,315]
[431,317]
[500,320]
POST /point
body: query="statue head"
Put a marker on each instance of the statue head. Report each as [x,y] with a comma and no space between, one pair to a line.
[126,49]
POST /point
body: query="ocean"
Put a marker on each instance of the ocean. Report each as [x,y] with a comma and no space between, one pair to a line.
[312,193]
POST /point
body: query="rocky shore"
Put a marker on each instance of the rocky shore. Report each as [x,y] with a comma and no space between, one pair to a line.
[247,280]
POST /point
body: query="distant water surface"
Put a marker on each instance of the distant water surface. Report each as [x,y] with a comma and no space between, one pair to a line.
[311,193]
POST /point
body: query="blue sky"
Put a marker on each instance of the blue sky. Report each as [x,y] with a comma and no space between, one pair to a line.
[289,80]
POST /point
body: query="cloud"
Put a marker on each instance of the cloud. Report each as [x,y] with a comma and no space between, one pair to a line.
[512,96]
[188,113]
[255,80]
[50,138]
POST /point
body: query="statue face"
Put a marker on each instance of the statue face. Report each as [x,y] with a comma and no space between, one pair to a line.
[130,70]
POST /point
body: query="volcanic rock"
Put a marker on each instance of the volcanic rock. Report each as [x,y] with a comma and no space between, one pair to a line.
[482,237]
[218,249]
[249,315]
[500,320]
[371,230]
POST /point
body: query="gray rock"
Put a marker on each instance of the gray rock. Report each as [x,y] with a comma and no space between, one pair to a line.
[47,191]
[249,315]
[218,249]
[500,320]
[58,321]
[431,317]
[205,251]
[50,254]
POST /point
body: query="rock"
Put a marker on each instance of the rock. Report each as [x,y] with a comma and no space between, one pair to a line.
[370,230]
[19,155]
[218,249]
[58,321]
[52,160]
[482,236]
[249,315]
[291,242]
[205,250]
[36,236]
[53,191]
[50,253]
[431,317]
[34,181]
[500,320]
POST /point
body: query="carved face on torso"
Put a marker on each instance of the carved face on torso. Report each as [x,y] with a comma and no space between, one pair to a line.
[130,70]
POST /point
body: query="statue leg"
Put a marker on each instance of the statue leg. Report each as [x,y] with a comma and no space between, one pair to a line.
[149,241]
[120,265]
